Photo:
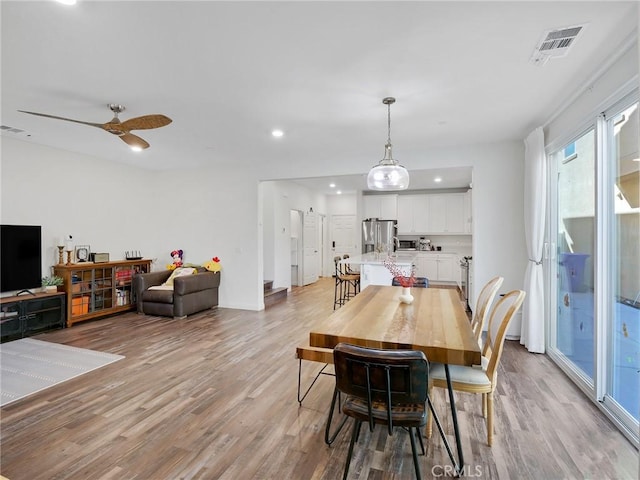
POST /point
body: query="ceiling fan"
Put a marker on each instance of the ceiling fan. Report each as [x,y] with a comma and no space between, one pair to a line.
[121,129]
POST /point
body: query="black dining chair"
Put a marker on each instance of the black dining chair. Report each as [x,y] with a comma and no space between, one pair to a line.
[383,387]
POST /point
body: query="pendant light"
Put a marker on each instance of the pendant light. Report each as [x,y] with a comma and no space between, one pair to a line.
[388,174]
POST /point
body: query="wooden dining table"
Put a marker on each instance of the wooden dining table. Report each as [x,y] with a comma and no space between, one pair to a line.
[435,323]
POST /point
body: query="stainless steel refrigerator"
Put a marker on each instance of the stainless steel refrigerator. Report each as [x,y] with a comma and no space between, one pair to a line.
[379,235]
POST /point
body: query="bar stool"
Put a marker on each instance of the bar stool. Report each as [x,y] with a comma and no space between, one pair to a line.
[345,282]
[338,297]
[352,278]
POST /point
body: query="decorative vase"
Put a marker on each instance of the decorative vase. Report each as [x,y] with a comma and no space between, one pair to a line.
[50,288]
[406,296]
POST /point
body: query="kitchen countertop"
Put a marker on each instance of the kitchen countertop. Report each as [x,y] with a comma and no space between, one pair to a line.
[400,258]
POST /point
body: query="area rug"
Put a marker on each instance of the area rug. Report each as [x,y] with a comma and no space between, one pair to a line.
[28,366]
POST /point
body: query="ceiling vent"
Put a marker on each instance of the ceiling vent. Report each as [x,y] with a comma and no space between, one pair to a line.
[555,43]
[6,128]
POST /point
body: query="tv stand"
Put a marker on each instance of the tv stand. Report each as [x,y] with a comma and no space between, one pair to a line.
[21,316]
[25,291]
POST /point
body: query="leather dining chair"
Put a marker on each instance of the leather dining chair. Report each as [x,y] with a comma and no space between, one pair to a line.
[383,387]
[483,379]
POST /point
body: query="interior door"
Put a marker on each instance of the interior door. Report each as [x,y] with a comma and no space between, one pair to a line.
[343,235]
[310,248]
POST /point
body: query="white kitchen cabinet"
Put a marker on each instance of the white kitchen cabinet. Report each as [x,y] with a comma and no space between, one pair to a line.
[446,213]
[468,217]
[383,207]
[438,267]
[412,214]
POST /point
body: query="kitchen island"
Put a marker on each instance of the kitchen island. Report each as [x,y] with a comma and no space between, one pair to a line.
[374,272]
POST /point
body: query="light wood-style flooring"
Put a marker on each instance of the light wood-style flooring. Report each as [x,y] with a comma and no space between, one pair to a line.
[214,397]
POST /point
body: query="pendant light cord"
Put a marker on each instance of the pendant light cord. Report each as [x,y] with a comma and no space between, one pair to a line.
[388,123]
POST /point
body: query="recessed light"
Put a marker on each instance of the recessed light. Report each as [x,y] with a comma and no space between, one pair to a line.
[332,185]
[339,192]
[437,179]
[277,133]
[67,2]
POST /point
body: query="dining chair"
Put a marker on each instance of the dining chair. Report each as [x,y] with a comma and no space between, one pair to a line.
[479,317]
[419,282]
[383,387]
[483,379]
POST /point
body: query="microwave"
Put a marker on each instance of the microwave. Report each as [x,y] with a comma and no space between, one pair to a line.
[407,245]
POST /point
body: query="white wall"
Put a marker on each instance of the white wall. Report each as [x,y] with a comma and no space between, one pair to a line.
[114,208]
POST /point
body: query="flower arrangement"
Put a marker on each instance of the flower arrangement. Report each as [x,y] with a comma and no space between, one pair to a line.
[398,274]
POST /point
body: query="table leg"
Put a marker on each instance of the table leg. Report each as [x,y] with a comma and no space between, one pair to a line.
[454,416]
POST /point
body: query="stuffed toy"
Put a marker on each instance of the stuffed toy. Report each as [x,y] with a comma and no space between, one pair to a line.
[213,265]
[177,260]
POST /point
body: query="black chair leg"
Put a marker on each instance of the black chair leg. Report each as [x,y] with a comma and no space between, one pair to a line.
[416,464]
[354,435]
[329,438]
[421,442]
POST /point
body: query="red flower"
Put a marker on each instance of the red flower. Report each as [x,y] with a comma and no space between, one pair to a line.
[398,274]
[216,259]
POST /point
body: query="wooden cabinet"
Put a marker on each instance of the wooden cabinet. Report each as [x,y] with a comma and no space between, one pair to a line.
[437,267]
[24,315]
[383,207]
[95,290]
[412,214]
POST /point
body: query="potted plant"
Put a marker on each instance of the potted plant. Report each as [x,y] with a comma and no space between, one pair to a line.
[52,283]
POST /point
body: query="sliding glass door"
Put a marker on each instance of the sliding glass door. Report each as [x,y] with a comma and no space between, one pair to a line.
[575,254]
[594,261]
[623,362]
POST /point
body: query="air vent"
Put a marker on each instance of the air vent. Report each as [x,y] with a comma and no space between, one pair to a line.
[555,43]
[6,128]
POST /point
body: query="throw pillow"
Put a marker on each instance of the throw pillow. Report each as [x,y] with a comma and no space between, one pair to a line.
[179,272]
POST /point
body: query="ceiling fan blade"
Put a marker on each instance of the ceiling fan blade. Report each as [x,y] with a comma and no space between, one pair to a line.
[134,140]
[99,125]
[145,122]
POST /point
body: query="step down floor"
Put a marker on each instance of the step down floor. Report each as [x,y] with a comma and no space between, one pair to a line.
[273,295]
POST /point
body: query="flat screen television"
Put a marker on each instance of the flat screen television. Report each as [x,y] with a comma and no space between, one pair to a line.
[20,257]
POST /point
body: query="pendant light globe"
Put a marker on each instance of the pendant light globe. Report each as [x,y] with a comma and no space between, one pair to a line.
[388,174]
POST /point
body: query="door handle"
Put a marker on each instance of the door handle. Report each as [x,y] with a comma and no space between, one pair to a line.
[333,244]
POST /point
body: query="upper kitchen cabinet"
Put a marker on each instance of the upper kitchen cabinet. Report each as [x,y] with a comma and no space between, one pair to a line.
[446,213]
[383,207]
[412,214]
[468,217]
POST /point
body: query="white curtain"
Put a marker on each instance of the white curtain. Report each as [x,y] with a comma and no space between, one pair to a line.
[535,198]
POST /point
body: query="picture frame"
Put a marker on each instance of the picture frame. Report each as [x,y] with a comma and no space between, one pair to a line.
[82,253]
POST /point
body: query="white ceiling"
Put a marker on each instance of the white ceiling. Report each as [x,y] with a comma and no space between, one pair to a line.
[227,73]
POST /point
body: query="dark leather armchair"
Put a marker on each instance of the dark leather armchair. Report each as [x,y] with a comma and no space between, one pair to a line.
[190,293]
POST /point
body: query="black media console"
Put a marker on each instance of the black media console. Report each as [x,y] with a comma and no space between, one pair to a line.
[21,316]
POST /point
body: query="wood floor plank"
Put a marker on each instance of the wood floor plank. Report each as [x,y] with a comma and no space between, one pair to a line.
[213,396]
